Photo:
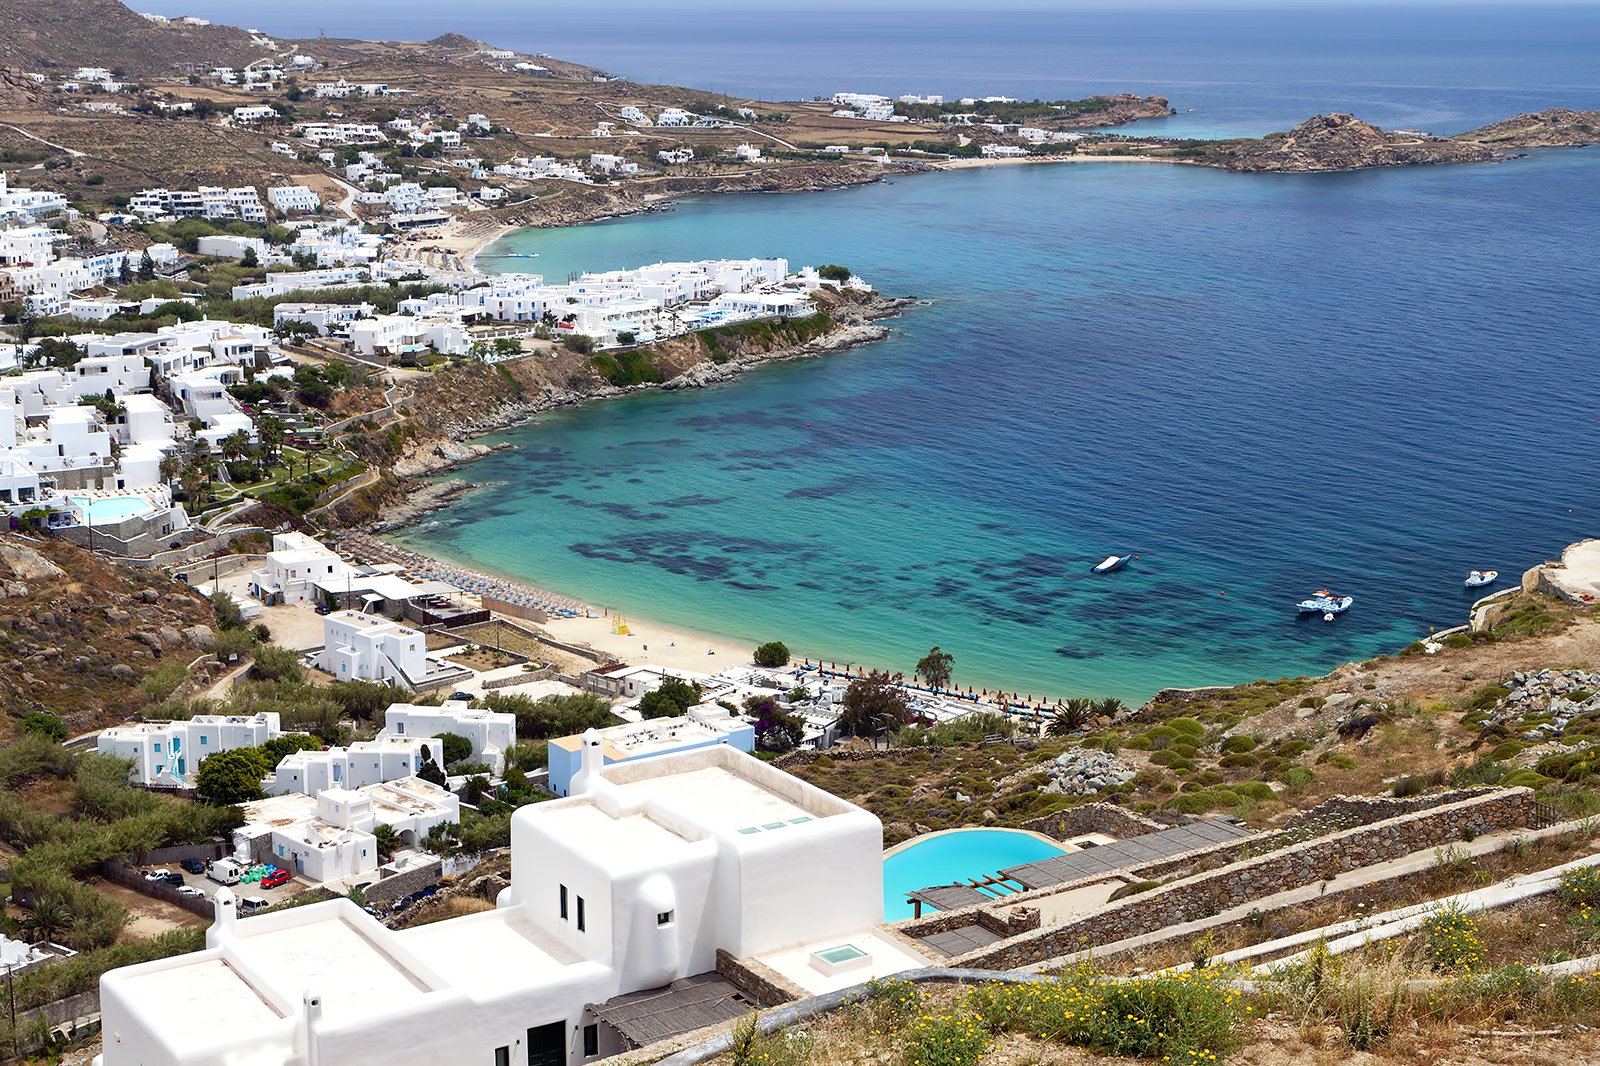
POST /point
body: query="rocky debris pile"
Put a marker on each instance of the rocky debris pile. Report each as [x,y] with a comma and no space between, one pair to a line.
[1561,694]
[1081,771]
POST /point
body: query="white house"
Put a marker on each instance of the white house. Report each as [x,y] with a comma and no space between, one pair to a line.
[329,834]
[256,113]
[286,198]
[676,155]
[639,879]
[370,647]
[674,116]
[165,754]
[400,334]
[363,762]
[492,732]
[747,152]
[292,569]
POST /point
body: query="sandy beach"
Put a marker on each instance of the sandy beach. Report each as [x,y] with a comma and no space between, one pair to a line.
[650,642]
[456,246]
[1029,160]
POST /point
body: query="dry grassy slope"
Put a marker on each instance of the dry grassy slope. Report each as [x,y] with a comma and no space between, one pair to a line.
[78,635]
[1413,703]
[42,34]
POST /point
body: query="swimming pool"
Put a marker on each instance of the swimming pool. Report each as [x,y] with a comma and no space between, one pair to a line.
[111,508]
[945,858]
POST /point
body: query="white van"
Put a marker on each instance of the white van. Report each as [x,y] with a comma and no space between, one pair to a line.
[251,904]
[225,872]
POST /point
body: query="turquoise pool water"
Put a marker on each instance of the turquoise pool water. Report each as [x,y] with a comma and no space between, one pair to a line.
[958,856]
[112,509]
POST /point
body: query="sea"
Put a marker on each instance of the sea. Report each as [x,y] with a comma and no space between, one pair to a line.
[1258,385]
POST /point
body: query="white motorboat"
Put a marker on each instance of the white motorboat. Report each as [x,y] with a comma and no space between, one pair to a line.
[1479,578]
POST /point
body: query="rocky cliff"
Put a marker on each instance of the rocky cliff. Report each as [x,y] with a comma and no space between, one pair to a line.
[1118,110]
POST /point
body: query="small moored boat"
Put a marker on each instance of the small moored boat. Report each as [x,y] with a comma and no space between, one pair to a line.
[1111,563]
[1480,578]
[1325,603]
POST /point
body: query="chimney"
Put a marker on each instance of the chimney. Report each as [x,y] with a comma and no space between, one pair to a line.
[592,758]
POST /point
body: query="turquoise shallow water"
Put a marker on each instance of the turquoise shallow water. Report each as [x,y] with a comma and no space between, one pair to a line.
[952,857]
[1263,385]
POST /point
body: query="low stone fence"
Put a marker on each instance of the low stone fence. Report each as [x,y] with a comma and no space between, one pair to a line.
[1007,920]
[757,980]
[527,677]
[179,852]
[393,887]
[117,873]
[1105,818]
[1291,867]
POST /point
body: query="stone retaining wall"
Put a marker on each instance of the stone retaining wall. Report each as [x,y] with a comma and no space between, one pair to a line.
[1105,818]
[1366,809]
[1300,864]
[392,888]
[757,980]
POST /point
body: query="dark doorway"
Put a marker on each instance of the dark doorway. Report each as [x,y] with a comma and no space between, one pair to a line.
[547,1045]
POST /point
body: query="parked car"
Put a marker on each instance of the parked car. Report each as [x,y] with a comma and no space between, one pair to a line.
[190,890]
[323,608]
[172,878]
[158,875]
[251,904]
[469,697]
[194,866]
[273,880]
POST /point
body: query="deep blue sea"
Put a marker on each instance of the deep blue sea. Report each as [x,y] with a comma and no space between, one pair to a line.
[1262,385]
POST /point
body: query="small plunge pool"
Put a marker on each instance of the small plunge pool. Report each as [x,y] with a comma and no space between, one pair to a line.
[958,855]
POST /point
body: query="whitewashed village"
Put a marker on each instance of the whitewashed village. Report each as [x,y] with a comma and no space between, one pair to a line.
[341,802]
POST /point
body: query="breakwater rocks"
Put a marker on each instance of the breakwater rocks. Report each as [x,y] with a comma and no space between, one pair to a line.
[1081,771]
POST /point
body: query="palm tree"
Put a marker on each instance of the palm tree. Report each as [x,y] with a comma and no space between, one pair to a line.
[388,840]
[1071,717]
[50,918]
[235,444]
[1109,708]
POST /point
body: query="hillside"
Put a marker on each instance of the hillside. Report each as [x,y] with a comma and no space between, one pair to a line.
[39,35]
[90,642]
[1558,126]
[1335,142]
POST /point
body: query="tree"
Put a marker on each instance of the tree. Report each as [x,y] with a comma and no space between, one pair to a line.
[456,747]
[429,770]
[773,653]
[147,267]
[58,353]
[1109,708]
[45,725]
[776,730]
[553,716]
[273,663]
[365,699]
[275,749]
[232,776]
[49,920]
[673,697]
[249,260]
[388,839]
[833,272]
[873,704]
[935,667]
[234,445]
[227,612]
[1071,717]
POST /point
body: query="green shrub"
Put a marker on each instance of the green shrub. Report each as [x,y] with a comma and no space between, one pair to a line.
[955,1039]
[623,369]
[1236,745]
[1342,761]
[1581,886]
[1189,726]
[1297,777]
[773,653]
[1187,751]
[1239,760]
[1526,778]
[1290,749]
[1256,790]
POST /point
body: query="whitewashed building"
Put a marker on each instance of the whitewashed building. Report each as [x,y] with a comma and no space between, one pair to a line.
[286,198]
[363,762]
[492,732]
[640,878]
[293,567]
[166,754]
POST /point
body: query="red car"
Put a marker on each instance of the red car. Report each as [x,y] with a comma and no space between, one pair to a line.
[273,880]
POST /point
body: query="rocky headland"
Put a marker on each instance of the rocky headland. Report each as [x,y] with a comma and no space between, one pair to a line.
[1343,142]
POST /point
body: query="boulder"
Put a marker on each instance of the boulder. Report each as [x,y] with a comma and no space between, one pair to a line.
[124,672]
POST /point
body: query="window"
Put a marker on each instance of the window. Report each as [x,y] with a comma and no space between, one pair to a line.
[563,903]
[203,740]
[580,914]
[664,918]
[502,1055]
[591,1041]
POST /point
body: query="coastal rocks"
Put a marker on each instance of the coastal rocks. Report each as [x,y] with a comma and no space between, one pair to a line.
[436,455]
[1558,697]
[1339,142]
[424,501]
[1081,771]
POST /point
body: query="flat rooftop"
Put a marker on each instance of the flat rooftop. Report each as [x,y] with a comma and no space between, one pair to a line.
[716,797]
[195,994]
[331,956]
[456,949]
[631,838]
[636,740]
